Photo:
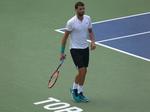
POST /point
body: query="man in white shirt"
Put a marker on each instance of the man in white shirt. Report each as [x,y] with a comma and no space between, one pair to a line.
[79,28]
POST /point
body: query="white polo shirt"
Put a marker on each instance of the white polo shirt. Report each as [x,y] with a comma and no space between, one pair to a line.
[79,31]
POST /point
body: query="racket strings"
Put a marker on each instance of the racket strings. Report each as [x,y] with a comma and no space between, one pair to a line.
[53,79]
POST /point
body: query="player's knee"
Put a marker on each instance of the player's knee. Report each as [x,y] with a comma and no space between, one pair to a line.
[82,71]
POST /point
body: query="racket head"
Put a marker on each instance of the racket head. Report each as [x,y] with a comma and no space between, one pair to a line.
[53,79]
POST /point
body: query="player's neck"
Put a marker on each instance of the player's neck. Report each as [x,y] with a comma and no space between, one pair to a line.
[80,17]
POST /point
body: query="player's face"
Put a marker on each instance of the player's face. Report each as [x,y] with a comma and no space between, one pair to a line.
[80,10]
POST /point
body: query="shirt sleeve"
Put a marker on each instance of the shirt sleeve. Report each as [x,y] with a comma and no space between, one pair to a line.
[90,23]
[69,26]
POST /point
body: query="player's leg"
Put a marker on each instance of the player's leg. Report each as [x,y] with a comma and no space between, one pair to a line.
[80,77]
[81,83]
[81,59]
[77,59]
[78,84]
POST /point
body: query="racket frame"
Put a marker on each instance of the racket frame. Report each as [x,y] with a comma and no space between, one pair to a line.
[56,71]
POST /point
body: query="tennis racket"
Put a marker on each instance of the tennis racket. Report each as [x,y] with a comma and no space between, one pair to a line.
[55,75]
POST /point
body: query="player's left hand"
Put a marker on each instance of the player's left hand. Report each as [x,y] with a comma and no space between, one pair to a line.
[93,45]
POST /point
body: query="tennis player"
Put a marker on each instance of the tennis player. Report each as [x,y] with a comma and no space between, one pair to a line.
[79,28]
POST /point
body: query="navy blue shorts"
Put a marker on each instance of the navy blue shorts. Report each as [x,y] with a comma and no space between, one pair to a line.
[80,57]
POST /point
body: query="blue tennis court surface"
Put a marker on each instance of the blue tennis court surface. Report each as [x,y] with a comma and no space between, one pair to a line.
[130,35]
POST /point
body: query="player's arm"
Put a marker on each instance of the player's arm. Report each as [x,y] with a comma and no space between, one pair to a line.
[63,44]
[91,35]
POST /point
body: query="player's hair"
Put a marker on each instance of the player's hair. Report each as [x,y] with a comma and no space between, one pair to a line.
[79,4]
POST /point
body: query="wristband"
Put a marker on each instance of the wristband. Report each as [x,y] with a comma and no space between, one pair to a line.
[62,50]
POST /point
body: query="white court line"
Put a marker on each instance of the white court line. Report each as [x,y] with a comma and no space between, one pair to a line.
[122,18]
[59,30]
[98,43]
[123,52]
[124,36]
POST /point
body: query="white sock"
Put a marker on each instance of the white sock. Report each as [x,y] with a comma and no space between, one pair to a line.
[80,89]
[75,86]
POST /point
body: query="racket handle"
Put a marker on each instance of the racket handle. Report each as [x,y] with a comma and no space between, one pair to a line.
[62,60]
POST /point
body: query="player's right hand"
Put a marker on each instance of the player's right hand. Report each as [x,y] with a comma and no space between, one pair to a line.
[62,55]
